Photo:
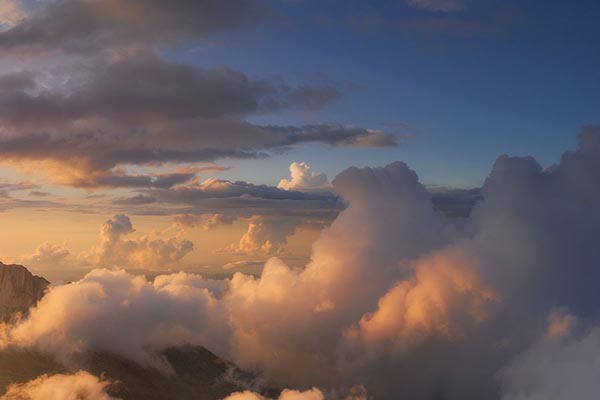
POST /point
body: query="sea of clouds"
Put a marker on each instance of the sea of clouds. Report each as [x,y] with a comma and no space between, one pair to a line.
[397,298]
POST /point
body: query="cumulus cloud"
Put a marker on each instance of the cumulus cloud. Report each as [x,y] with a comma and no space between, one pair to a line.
[48,255]
[398,289]
[265,236]
[79,386]
[443,298]
[303,313]
[302,178]
[144,252]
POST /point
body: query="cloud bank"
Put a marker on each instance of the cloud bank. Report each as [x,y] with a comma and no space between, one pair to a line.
[397,296]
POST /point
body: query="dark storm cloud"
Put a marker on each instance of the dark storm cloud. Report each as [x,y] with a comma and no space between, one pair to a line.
[78,26]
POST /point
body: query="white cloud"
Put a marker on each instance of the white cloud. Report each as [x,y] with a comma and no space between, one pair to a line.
[303,178]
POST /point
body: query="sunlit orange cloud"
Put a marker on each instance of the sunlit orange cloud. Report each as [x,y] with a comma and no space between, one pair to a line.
[74,171]
[445,295]
[10,13]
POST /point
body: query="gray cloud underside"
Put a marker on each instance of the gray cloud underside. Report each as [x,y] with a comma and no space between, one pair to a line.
[246,199]
[145,110]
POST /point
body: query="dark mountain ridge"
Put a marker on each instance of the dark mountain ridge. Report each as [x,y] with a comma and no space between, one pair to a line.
[19,290]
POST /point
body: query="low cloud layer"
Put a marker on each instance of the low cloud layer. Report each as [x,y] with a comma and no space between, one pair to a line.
[78,386]
[117,312]
[397,296]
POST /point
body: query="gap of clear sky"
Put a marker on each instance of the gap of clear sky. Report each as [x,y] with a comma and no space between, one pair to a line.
[461,88]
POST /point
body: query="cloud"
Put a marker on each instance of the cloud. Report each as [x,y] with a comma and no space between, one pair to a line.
[265,236]
[105,100]
[11,13]
[144,252]
[444,297]
[115,179]
[48,255]
[396,296]
[413,291]
[353,263]
[120,313]
[78,386]
[302,178]
[557,367]
[286,394]
[76,26]
[205,222]
[240,199]
[39,193]
[143,110]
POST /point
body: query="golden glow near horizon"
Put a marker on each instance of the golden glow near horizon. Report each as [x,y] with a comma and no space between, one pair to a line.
[78,233]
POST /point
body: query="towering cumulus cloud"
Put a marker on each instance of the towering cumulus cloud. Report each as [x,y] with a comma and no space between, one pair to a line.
[303,178]
[146,251]
[397,297]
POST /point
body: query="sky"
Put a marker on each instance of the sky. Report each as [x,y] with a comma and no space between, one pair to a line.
[353,199]
[125,109]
